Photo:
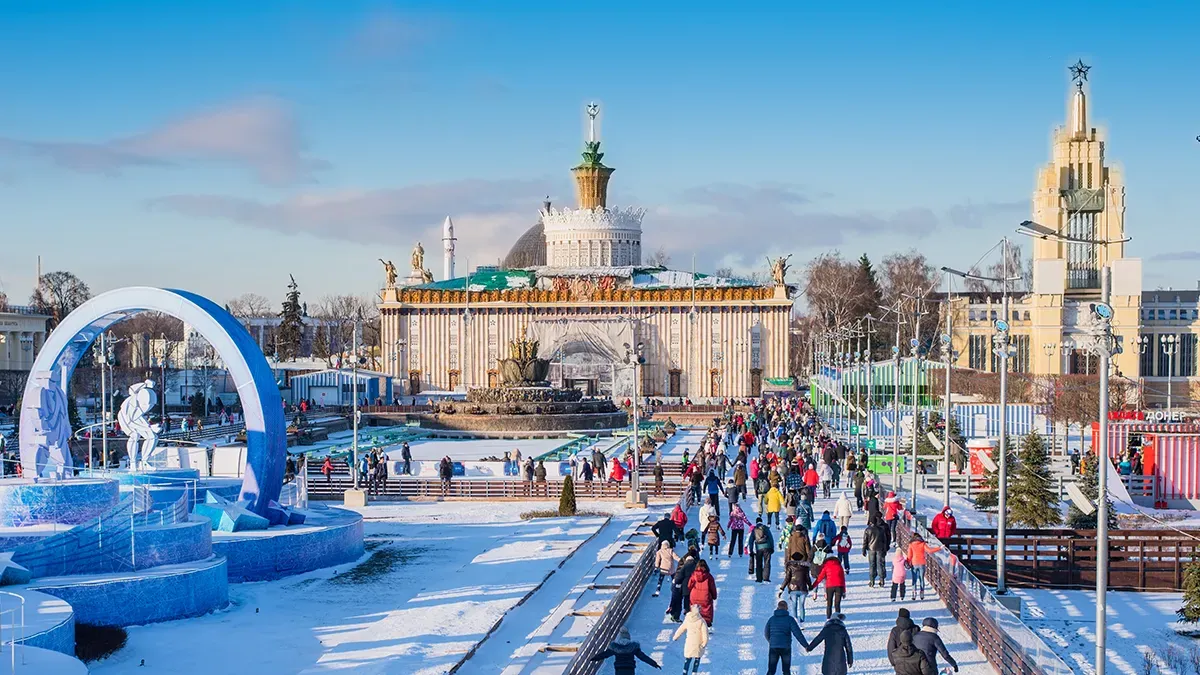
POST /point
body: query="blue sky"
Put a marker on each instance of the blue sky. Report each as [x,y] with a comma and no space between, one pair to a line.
[220,146]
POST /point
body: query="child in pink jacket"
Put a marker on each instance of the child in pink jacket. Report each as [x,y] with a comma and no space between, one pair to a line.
[899,572]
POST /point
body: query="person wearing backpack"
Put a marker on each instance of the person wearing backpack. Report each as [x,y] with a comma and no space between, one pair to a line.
[764,545]
[874,548]
[843,544]
[835,585]
[796,583]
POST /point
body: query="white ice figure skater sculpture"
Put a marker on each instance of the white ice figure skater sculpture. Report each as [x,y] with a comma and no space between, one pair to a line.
[132,416]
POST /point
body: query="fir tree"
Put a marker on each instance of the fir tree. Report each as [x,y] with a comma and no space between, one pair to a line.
[989,498]
[1190,611]
[1089,485]
[196,404]
[1032,502]
[291,325]
[73,414]
[566,502]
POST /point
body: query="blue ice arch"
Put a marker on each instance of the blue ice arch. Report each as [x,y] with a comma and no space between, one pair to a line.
[46,430]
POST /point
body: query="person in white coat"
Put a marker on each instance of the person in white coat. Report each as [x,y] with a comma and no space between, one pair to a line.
[706,510]
[697,639]
[842,511]
[665,561]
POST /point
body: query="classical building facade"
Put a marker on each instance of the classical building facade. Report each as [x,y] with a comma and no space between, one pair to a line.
[1081,195]
[575,283]
[22,333]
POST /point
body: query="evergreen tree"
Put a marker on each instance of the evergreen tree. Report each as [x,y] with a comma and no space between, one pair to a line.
[196,404]
[868,272]
[291,326]
[1089,485]
[566,502]
[73,414]
[1032,501]
[989,498]
[1190,611]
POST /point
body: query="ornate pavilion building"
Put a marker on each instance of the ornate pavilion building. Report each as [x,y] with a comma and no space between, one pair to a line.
[574,282]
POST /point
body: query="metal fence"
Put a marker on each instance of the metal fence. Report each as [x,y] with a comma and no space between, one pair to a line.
[12,617]
[410,487]
[617,611]
[1005,641]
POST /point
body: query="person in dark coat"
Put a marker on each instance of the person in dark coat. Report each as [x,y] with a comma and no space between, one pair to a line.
[839,653]
[586,471]
[665,531]
[680,601]
[779,631]
[904,624]
[406,456]
[624,651]
[872,506]
[930,643]
[876,543]
[762,543]
[908,660]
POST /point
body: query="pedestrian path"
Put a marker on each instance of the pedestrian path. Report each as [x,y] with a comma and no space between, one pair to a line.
[736,644]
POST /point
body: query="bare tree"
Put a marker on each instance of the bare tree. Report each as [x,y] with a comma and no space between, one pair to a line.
[659,258]
[58,294]
[250,306]
[1019,265]
[339,313]
[3,302]
[836,290]
[803,328]
[907,281]
[725,272]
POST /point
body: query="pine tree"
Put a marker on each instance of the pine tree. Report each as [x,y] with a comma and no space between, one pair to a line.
[1089,485]
[566,502]
[1190,611]
[989,498]
[1033,503]
[291,325]
[196,404]
[73,414]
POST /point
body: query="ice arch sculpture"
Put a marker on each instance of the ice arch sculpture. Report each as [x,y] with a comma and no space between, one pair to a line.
[46,430]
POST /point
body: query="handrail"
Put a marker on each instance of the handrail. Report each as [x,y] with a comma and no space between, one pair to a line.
[618,609]
[13,641]
[1005,641]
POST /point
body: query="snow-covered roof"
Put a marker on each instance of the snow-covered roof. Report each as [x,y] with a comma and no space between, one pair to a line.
[640,277]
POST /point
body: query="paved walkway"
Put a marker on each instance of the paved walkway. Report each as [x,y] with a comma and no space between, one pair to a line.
[737,645]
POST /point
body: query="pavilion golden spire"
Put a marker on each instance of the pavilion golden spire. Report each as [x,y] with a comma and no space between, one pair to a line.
[591,176]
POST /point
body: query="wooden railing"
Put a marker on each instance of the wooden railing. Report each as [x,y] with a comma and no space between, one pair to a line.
[618,609]
[410,487]
[1139,560]
[1007,643]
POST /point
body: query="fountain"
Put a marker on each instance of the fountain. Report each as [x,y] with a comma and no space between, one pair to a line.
[525,402]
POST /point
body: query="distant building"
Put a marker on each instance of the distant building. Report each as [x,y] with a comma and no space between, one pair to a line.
[22,333]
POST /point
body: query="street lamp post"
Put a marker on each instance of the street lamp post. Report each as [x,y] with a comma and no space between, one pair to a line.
[948,359]
[1170,345]
[1107,346]
[636,357]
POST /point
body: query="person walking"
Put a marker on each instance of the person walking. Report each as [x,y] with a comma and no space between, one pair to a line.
[327,469]
[825,526]
[739,482]
[842,511]
[665,530]
[918,552]
[446,473]
[680,601]
[779,631]
[796,583]
[763,544]
[891,513]
[930,643]
[406,457]
[702,591]
[834,578]
[623,651]
[842,545]
[875,546]
[856,481]
[839,653]
[665,561]
[774,504]
[908,660]
[944,525]
[539,475]
[804,514]
[900,566]
[738,524]
[713,534]
[904,624]
[696,630]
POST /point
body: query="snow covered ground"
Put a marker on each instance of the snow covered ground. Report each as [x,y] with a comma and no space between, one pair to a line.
[743,607]
[435,580]
[1137,623]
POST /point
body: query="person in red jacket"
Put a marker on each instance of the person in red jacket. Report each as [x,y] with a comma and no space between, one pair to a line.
[617,473]
[835,585]
[811,479]
[702,591]
[944,525]
[679,517]
[891,513]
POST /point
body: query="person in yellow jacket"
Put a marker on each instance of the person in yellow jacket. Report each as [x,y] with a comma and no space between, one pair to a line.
[774,504]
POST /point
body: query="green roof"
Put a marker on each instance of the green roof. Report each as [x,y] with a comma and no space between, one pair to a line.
[488,280]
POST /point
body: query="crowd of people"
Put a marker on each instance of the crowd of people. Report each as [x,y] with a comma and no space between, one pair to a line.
[783,452]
